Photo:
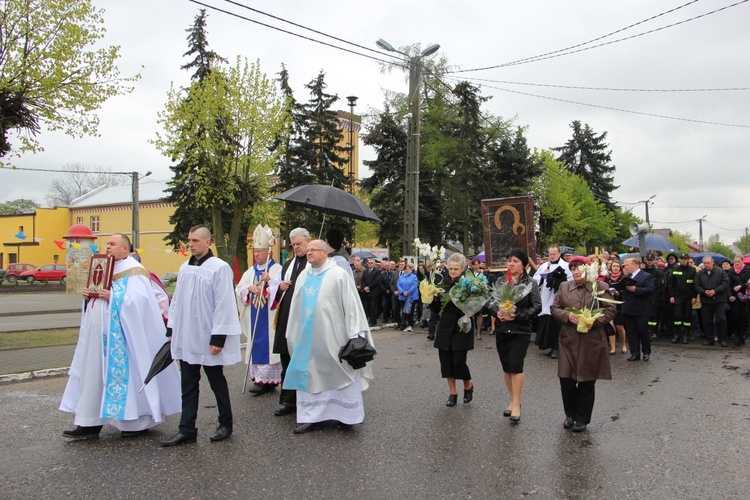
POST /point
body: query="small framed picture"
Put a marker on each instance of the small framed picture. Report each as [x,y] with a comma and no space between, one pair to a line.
[100,273]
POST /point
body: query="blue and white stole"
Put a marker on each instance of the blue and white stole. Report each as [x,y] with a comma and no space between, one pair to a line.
[117,363]
[296,373]
[259,306]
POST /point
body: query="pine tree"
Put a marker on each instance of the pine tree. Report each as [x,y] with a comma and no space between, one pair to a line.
[586,154]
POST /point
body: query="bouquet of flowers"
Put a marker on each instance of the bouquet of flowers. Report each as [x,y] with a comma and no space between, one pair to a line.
[506,295]
[428,290]
[587,316]
[469,295]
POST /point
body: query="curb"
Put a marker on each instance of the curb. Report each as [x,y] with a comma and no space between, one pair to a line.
[57,372]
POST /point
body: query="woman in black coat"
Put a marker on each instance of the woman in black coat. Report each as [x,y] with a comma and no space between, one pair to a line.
[453,345]
[513,331]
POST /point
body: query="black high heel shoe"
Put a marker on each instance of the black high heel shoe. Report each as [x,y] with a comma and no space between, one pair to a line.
[507,413]
[452,400]
[469,394]
[514,419]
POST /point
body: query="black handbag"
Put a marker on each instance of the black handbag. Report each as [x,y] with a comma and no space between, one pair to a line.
[357,352]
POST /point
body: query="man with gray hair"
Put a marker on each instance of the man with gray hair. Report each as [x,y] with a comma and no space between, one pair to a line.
[636,308]
[281,289]
[713,286]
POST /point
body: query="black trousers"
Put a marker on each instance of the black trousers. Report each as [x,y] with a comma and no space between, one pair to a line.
[683,315]
[190,376]
[578,399]
[287,396]
[385,305]
[453,364]
[708,312]
[373,306]
[740,312]
[638,337]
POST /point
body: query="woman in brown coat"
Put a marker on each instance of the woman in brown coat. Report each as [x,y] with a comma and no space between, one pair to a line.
[584,357]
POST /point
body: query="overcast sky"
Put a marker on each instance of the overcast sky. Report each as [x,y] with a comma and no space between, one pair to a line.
[694,168]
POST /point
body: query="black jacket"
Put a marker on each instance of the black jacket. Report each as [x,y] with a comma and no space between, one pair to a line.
[447,334]
[681,284]
[716,280]
[526,309]
[638,303]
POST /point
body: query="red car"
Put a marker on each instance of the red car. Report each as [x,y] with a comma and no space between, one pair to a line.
[48,272]
[15,270]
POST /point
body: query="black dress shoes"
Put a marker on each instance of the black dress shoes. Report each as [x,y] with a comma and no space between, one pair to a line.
[469,394]
[452,400]
[430,337]
[284,409]
[568,423]
[646,357]
[221,433]
[132,434]
[260,389]
[723,344]
[83,432]
[553,354]
[708,342]
[177,440]
[634,358]
[578,427]
[303,428]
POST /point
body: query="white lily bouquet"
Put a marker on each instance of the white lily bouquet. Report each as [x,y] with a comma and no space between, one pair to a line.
[428,290]
[588,315]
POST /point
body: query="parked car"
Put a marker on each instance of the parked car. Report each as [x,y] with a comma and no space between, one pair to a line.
[15,270]
[48,272]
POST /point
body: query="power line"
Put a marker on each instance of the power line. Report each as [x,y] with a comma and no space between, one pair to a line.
[223,11]
[567,51]
[61,171]
[310,29]
[610,89]
[643,113]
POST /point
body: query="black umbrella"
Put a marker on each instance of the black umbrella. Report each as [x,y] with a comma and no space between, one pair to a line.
[330,200]
[162,360]
[364,254]
[357,352]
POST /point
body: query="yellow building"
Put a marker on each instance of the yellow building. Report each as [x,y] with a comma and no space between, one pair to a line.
[30,238]
[109,210]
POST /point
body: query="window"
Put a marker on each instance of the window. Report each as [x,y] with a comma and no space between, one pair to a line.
[79,220]
[94,223]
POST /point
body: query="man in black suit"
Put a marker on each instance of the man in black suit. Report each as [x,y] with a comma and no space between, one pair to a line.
[636,309]
[299,238]
[713,286]
[386,302]
[371,291]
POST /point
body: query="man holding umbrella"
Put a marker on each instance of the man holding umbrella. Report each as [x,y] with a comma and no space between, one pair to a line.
[121,331]
[256,316]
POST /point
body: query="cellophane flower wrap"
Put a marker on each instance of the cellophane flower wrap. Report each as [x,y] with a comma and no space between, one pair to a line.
[507,294]
[428,290]
[588,316]
[469,295]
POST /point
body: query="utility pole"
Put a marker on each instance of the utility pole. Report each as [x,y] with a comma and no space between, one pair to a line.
[136,208]
[646,203]
[700,232]
[352,102]
[746,242]
[411,201]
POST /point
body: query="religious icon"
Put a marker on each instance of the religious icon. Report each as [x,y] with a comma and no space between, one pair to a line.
[100,273]
[508,223]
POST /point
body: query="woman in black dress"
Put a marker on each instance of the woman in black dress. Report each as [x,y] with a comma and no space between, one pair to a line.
[452,345]
[513,330]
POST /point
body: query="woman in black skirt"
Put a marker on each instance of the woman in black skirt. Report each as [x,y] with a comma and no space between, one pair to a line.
[513,330]
[452,345]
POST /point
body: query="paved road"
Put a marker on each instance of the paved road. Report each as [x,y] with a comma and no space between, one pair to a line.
[37,311]
[676,427]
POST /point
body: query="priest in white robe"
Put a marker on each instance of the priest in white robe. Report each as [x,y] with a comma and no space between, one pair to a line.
[257,319]
[121,331]
[325,313]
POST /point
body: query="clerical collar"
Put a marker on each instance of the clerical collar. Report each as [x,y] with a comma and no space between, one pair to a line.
[197,262]
[554,261]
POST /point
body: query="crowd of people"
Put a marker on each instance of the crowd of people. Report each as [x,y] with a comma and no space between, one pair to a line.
[298,317]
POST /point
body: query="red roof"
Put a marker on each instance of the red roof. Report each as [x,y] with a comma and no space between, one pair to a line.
[80,231]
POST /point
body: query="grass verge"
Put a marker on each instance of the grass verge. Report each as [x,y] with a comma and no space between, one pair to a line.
[38,338]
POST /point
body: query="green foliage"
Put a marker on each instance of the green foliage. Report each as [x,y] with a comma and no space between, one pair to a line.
[568,212]
[223,131]
[743,243]
[714,244]
[587,155]
[19,206]
[49,72]
[682,240]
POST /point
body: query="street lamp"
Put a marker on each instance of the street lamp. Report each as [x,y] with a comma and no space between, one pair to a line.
[411,202]
[352,100]
[136,207]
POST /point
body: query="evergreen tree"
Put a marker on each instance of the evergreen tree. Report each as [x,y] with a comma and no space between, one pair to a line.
[586,154]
